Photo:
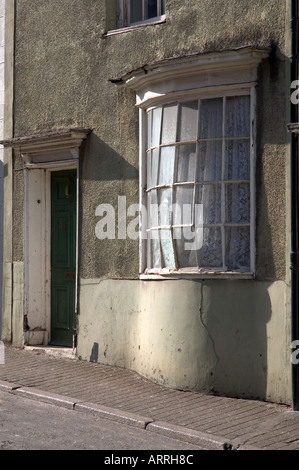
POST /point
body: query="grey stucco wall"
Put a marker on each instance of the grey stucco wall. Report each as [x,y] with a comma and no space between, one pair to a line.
[62,80]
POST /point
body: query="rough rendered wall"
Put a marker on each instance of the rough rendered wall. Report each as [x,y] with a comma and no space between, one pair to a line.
[63,66]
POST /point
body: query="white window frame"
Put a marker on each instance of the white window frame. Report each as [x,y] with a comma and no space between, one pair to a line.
[193,271]
[124,14]
[229,73]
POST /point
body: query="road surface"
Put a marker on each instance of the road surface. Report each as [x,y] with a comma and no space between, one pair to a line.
[31,425]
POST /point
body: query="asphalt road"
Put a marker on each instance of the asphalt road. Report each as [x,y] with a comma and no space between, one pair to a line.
[31,425]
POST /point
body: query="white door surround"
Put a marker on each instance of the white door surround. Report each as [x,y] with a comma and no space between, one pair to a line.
[41,155]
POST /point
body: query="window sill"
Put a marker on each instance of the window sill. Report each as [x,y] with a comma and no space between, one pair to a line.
[127,29]
[184,274]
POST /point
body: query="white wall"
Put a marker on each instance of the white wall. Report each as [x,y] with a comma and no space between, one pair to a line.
[231,337]
[2,14]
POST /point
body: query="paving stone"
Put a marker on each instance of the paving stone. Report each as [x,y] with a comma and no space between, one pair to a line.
[246,423]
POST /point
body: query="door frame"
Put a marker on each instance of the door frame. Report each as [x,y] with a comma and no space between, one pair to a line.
[40,153]
[37,255]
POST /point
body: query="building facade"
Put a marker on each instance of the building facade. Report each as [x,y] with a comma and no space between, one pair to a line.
[148,203]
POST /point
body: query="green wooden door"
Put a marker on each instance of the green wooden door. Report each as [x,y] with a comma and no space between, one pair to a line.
[63,257]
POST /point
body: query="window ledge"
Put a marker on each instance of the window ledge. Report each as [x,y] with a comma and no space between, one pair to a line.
[133,27]
[182,274]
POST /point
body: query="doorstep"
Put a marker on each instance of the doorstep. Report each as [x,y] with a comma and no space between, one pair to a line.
[56,351]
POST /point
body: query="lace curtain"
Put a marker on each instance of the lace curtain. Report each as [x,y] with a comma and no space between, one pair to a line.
[198,171]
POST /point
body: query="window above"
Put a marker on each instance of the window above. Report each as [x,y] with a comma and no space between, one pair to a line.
[137,12]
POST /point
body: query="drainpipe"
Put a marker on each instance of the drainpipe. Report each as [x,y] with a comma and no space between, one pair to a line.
[294,206]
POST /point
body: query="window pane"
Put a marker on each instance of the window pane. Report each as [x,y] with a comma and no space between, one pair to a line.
[151,9]
[210,254]
[149,129]
[162,7]
[156,127]
[210,119]
[166,170]
[152,168]
[186,163]
[237,203]
[209,195]
[222,194]
[238,116]
[188,125]
[183,205]
[210,161]
[148,170]
[186,258]
[167,249]
[237,248]
[237,160]
[154,250]
[135,11]
[153,209]
[169,124]
[165,206]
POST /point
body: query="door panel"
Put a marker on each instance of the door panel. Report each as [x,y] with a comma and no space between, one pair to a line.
[63,257]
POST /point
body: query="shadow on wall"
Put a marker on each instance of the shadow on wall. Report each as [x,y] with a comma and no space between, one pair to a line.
[106,175]
[236,314]
[271,165]
[107,164]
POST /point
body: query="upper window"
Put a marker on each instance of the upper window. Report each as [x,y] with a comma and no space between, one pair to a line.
[135,12]
[198,185]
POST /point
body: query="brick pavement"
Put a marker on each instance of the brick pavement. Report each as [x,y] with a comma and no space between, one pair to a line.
[124,395]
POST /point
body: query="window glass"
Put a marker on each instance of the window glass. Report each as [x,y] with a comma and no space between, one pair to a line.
[166,169]
[209,160]
[209,195]
[237,248]
[188,122]
[169,126]
[237,203]
[237,162]
[156,127]
[134,12]
[237,112]
[186,162]
[198,183]
[152,8]
[210,119]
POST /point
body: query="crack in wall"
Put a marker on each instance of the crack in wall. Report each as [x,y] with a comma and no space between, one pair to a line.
[201,315]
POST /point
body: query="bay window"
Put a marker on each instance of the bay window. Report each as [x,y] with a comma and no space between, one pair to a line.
[198,185]
[197,164]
